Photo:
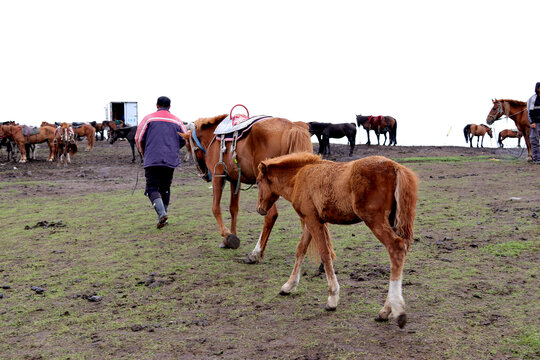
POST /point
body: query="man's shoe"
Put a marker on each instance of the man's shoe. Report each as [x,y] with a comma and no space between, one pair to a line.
[161,212]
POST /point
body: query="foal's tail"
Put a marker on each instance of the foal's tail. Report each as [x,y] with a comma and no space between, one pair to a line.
[299,140]
[499,141]
[467,132]
[406,194]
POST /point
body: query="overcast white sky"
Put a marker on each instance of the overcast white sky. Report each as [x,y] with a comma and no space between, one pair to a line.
[433,65]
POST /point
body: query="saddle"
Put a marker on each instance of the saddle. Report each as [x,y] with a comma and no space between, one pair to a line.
[375,121]
[227,128]
[30,130]
[77,124]
[232,128]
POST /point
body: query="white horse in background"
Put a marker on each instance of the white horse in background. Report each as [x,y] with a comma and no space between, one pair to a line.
[189,126]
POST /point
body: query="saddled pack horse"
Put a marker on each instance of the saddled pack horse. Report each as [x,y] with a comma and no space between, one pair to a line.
[16,133]
[507,133]
[472,130]
[126,133]
[517,111]
[325,131]
[87,131]
[381,125]
[267,138]
[65,144]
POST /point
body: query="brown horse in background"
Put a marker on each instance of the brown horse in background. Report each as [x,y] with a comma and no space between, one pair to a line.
[65,144]
[517,111]
[88,131]
[375,190]
[472,130]
[507,133]
[267,138]
[46,134]
[381,125]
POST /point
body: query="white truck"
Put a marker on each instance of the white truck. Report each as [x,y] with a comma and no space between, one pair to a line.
[122,110]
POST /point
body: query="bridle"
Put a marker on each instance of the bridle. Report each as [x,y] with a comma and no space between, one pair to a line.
[195,144]
[500,112]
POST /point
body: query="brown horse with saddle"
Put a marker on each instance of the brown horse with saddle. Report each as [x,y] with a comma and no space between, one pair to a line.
[381,125]
[219,160]
[507,133]
[26,135]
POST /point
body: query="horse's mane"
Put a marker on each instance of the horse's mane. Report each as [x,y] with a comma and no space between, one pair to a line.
[206,122]
[513,102]
[293,160]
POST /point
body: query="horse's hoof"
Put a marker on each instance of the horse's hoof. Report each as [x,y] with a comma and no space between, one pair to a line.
[329,308]
[380,319]
[402,320]
[251,259]
[232,241]
[283,293]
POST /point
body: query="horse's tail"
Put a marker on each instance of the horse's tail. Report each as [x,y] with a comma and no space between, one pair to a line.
[467,132]
[313,247]
[499,140]
[406,194]
[393,132]
[298,140]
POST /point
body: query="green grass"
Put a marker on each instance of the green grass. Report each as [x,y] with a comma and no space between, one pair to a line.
[469,284]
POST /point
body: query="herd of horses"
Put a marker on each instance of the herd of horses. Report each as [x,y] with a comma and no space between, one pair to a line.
[277,155]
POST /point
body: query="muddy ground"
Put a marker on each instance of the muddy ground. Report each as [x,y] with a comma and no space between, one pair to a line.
[471,316]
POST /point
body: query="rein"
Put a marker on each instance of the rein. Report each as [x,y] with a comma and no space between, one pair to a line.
[195,147]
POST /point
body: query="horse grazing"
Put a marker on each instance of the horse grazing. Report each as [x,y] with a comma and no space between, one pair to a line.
[88,131]
[127,133]
[325,131]
[472,130]
[64,143]
[375,190]
[381,125]
[507,133]
[267,138]
[15,132]
[517,111]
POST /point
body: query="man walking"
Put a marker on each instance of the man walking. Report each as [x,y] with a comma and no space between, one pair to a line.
[158,141]
[533,111]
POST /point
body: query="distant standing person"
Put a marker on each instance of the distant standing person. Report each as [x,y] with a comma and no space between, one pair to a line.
[158,141]
[533,110]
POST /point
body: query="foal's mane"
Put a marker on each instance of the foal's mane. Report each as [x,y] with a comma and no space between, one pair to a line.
[293,160]
[206,122]
[512,102]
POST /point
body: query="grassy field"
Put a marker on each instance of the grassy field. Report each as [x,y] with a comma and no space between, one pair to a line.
[115,287]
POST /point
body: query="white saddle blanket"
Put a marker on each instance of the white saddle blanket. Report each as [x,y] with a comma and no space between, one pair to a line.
[226,126]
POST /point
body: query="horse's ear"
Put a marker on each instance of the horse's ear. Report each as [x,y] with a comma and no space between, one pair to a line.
[185,136]
[263,169]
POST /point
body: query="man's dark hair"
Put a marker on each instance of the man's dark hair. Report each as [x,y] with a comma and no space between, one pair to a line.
[164,102]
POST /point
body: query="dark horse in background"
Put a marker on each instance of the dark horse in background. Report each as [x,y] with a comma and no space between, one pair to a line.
[381,125]
[100,129]
[325,131]
[126,133]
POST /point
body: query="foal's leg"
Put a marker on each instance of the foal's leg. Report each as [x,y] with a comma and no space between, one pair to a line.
[258,252]
[321,235]
[396,248]
[301,249]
